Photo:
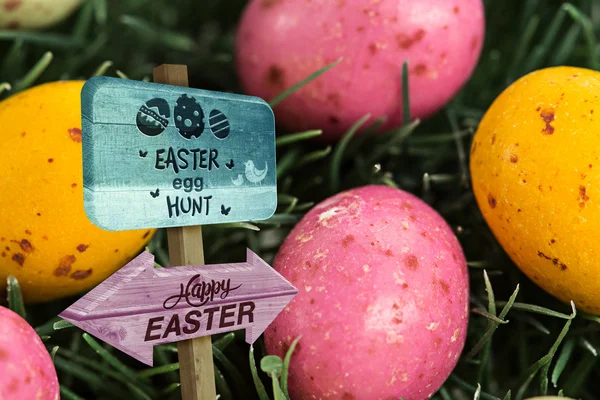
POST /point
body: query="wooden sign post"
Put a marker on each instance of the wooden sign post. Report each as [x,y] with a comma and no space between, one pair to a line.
[162,155]
[186,248]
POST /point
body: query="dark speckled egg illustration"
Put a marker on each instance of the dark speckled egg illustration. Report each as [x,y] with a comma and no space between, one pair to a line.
[152,118]
[219,125]
[189,117]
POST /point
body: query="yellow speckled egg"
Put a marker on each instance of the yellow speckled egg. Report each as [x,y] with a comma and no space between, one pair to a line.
[34,14]
[46,240]
[535,166]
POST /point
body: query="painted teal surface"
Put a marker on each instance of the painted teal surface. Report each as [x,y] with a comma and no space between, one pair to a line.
[124,131]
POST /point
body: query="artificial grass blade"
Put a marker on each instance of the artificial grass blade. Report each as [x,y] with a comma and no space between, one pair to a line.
[491,317]
[150,32]
[477,394]
[260,388]
[231,370]
[121,74]
[405,94]
[297,137]
[221,385]
[35,72]
[15,298]
[100,11]
[538,310]
[546,367]
[5,87]
[53,352]
[490,292]
[588,30]
[283,95]
[546,46]
[313,156]
[68,394]
[566,46]
[243,225]
[163,369]
[286,367]
[493,326]
[573,385]
[224,341]
[45,39]
[338,154]
[563,359]
[101,70]
[109,358]
[62,324]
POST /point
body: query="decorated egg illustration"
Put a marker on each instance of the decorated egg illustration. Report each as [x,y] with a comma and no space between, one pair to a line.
[219,125]
[152,119]
[189,117]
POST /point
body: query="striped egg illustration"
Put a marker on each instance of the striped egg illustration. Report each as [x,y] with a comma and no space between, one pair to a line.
[189,117]
[219,125]
[153,117]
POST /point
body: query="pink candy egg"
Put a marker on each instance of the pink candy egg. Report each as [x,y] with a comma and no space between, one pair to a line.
[281,42]
[383,301]
[26,369]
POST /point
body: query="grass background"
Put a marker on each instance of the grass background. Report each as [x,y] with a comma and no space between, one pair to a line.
[543,348]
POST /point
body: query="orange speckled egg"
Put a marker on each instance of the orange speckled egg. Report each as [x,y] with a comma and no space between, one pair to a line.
[535,165]
[46,240]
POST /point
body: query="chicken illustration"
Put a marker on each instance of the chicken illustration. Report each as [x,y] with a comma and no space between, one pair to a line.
[239,180]
[255,175]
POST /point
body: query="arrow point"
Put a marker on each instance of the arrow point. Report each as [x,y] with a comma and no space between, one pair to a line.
[254,259]
[142,352]
[254,331]
[141,266]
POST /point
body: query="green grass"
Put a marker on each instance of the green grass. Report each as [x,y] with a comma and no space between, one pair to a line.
[521,342]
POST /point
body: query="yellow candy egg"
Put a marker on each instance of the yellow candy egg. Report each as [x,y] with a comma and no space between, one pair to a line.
[46,240]
[535,166]
[33,14]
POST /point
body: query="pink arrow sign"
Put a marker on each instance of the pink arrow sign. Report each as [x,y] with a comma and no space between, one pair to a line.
[140,306]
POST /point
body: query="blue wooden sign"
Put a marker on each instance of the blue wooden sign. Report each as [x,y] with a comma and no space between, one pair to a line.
[157,156]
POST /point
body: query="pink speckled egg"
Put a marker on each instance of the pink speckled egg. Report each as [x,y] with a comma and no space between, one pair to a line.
[26,369]
[281,42]
[383,301]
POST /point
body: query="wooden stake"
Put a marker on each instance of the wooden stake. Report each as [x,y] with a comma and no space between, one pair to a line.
[185,248]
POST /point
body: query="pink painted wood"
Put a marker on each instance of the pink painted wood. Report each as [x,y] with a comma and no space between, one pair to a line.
[140,306]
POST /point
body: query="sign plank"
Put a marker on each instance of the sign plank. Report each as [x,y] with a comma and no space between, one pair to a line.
[141,306]
[162,156]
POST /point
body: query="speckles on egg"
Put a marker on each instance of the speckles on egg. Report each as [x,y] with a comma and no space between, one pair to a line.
[275,77]
[78,275]
[18,258]
[82,247]
[64,265]
[433,326]
[407,41]
[75,134]
[411,262]
[548,117]
[583,197]
[492,200]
